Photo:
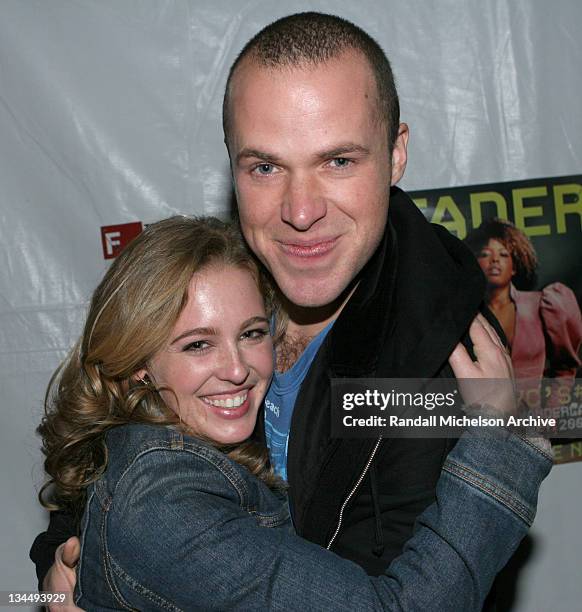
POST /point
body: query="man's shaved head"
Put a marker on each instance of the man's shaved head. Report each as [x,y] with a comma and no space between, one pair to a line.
[312,38]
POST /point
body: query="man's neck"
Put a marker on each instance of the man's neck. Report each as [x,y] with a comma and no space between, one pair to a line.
[304,323]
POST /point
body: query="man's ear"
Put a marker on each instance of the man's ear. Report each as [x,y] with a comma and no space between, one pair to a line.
[399,154]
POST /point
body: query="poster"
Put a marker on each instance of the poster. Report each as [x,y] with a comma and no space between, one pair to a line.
[544,293]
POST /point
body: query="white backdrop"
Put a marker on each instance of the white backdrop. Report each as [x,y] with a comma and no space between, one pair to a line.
[110,114]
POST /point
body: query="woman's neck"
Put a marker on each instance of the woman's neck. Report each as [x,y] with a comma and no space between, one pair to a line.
[498,297]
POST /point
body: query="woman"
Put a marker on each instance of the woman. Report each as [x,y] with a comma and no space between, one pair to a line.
[149,432]
[540,326]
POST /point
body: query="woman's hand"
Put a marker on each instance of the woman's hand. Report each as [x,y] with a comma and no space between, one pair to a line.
[61,578]
[487,384]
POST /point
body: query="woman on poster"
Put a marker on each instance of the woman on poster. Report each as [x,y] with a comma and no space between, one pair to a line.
[543,328]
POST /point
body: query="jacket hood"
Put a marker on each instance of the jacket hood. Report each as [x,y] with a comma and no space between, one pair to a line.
[415,299]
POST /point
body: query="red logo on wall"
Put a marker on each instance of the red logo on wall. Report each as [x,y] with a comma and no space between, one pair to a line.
[115,237]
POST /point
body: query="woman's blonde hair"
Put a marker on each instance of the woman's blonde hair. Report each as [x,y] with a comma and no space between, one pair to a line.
[131,315]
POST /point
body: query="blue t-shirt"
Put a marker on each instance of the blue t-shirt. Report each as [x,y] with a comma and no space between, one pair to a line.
[280,402]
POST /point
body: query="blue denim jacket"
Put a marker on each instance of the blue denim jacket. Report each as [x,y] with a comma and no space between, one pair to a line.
[174,524]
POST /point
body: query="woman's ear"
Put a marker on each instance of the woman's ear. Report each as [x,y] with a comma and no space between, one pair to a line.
[141,376]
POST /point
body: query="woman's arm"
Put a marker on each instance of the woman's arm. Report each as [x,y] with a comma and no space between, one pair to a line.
[178,536]
[562,324]
[562,321]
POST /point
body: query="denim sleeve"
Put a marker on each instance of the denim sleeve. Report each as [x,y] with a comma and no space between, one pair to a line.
[486,500]
[177,538]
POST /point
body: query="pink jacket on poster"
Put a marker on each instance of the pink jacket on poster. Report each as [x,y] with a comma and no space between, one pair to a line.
[548,325]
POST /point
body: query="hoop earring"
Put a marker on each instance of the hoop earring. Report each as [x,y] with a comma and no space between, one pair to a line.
[145,381]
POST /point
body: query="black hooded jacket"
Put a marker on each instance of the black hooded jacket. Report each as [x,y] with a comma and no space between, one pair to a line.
[414,302]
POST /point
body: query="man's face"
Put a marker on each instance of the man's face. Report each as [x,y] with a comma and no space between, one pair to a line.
[312,172]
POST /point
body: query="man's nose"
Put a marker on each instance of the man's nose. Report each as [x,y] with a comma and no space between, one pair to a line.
[303,204]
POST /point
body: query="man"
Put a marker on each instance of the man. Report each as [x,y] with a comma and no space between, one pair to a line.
[370,289]
[311,121]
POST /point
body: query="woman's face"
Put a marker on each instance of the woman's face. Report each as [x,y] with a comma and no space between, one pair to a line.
[219,357]
[497,264]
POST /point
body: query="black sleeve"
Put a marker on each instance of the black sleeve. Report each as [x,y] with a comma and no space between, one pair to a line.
[492,320]
[61,527]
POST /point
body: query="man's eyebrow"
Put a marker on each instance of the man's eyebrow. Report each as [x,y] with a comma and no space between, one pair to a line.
[202,331]
[257,154]
[343,149]
[271,158]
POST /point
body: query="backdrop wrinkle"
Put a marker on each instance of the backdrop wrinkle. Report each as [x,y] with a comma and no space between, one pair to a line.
[110,113]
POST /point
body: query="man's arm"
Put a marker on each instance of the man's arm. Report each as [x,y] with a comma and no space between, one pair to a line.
[62,526]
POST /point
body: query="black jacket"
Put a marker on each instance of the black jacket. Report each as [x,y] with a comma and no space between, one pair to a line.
[414,302]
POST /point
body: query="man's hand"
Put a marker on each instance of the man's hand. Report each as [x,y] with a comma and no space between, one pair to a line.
[61,578]
[486,384]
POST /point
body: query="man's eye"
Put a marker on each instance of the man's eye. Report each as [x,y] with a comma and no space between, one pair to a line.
[264,169]
[341,162]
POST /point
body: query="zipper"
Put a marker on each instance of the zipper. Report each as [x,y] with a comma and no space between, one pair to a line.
[351,493]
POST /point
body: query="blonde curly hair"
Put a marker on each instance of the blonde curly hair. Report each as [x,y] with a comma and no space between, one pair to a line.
[131,315]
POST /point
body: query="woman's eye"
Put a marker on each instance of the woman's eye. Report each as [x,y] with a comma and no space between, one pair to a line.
[197,346]
[254,334]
